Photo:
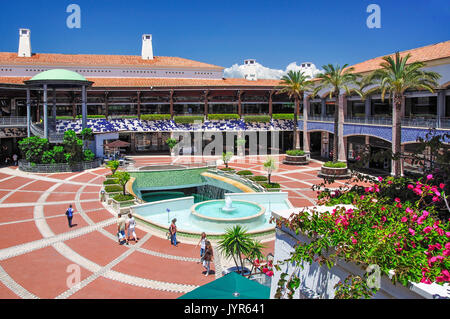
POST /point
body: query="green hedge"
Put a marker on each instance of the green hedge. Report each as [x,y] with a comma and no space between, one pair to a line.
[335,165]
[92,116]
[188,119]
[271,185]
[111,181]
[123,198]
[64,117]
[258,178]
[155,117]
[229,169]
[295,153]
[287,116]
[113,188]
[257,118]
[245,173]
[219,117]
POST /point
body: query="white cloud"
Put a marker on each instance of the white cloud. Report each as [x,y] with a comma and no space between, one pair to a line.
[262,72]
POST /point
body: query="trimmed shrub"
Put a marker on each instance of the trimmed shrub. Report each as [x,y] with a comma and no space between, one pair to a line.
[155,117]
[219,117]
[271,185]
[287,116]
[123,198]
[245,173]
[335,165]
[111,181]
[295,153]
[188,119]
[257,118]
[113,188]
[227,169]
[64,117]
[258,178]
[92,116]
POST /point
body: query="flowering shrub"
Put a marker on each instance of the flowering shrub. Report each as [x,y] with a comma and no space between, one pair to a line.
[396,234]
[265,266]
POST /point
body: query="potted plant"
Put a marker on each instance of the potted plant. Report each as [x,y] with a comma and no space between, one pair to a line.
[296,157]
[334,170]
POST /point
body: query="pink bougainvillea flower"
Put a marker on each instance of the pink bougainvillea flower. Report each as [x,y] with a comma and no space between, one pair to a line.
[389,182]
[404,219]
[399,205]
[380,179]
[447,234]
[446,252]
[440,231]
[412,231]
[409,210]
[362,197]
[425,281]
[358,158]
[414,218]
[430,176]
[427,229]
[441,186]
[411,186]
[383,218]
[397,200]
[435,199]
[354,241]
[383,208]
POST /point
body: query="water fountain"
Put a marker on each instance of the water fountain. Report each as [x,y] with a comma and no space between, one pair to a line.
[228,205]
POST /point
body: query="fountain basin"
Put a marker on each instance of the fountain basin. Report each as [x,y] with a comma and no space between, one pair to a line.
[242,211]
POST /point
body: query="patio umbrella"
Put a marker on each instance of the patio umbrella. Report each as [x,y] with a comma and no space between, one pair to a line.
[230,286]
[117,144]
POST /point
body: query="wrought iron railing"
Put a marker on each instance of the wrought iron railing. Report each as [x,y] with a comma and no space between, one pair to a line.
[13,121]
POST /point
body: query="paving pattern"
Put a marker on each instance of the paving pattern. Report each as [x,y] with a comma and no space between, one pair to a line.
[41,257]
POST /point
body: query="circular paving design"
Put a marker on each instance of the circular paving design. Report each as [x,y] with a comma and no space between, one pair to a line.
[41,257]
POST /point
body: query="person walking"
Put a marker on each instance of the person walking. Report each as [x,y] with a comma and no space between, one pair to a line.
[69,214]
[208,257]
[15,158]
[121,224]
[173,233]
[202,244]
[131,227]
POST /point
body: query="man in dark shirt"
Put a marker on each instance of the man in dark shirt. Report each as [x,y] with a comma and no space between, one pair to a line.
[69,214]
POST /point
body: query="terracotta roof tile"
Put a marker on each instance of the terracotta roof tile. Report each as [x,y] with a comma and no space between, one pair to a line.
[424,54]
[101,60]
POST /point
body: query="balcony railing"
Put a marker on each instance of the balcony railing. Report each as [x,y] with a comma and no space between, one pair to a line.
[13,121]
[53,137]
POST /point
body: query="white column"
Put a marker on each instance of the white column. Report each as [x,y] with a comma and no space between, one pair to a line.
[341,102]
[306,104]
[28,112]
[45,112]
[83,107]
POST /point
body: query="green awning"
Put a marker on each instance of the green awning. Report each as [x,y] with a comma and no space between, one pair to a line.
[230,286]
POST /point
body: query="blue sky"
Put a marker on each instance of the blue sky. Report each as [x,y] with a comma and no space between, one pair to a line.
[275,33]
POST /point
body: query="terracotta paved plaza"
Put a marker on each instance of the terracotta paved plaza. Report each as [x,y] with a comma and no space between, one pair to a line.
[40,255]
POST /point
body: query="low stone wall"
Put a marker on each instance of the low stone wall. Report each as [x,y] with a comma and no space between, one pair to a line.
[296,160]
[58,168]
[334,172]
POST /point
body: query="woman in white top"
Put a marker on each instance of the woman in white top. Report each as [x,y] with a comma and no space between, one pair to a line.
[202,244]
[131,223]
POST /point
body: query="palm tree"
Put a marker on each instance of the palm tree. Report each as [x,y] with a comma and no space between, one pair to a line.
[394,78]
[295,84]
[236,242]
[255,252]
[334,79]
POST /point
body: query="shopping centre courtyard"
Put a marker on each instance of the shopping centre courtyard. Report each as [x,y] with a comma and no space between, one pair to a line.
[40,255]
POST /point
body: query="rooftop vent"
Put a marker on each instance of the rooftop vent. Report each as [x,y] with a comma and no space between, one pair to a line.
[147,48]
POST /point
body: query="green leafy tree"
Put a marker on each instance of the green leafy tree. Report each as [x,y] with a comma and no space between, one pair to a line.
[73,147]
[295,84]
[122,179]
[269,166]
[334,79]
[394,78]
[113,166]
[235,243]
[33,148]
[171,143]
[226,157]
[86,135]
[88,155]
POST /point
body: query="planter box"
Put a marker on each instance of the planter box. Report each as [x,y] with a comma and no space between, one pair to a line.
[319,281]
[296,160]
[334,172]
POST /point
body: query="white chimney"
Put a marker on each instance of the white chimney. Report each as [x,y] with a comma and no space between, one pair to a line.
[24,43]
[147,48]
[250,69]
